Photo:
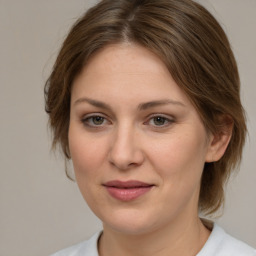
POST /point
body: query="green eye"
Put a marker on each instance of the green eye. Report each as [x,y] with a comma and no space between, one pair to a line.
[159,121]
[94,121]
[97,120]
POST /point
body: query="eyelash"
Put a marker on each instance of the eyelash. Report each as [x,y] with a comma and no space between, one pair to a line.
[167,121]
[87,121]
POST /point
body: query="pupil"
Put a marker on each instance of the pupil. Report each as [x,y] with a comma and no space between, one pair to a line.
[159,120]
[98,120]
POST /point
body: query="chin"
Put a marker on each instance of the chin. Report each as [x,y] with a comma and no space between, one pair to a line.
[130,222]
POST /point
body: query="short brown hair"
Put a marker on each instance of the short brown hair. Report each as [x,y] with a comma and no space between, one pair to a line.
[194,48]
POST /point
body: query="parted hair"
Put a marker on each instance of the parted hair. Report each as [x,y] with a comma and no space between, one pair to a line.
[197,53]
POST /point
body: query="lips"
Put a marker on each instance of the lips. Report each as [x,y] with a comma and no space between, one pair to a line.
[127,190]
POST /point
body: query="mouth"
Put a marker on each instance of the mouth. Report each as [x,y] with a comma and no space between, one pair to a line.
[127,190]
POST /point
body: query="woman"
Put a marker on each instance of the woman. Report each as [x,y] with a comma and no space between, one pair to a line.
[144,98]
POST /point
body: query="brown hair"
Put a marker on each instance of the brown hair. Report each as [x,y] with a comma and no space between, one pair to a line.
[196,51]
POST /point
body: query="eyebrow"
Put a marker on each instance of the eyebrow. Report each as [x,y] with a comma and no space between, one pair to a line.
[156,103]
[142,106]
[92,102]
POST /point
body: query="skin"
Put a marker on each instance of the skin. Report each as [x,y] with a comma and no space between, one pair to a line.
[114,135]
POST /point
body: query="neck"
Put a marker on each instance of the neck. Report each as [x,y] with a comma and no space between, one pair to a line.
[183,239]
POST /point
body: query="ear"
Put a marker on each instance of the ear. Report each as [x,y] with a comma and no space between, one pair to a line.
[219,141]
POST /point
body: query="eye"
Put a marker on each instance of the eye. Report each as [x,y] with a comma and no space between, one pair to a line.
[159,121]
[94,121]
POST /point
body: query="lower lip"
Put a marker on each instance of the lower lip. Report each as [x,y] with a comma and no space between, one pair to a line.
[127,194]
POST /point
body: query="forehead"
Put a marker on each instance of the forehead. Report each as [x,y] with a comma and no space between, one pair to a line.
[128,72]
[124,58]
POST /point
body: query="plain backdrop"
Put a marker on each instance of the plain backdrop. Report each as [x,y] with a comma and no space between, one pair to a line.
[41,211]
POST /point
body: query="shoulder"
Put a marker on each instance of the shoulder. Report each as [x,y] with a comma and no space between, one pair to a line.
[85,248]
[222,244]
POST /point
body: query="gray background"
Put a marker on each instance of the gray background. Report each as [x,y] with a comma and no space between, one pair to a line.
[41,211]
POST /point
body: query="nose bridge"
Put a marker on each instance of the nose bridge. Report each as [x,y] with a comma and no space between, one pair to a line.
[125,150]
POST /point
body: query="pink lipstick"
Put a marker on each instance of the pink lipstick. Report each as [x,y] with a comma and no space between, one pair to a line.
[127,190]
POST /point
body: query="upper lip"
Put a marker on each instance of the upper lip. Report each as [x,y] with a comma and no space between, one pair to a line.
[126,184]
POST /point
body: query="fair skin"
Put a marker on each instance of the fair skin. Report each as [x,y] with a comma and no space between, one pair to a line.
[130,121]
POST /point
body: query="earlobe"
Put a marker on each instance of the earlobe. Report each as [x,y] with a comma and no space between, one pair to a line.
[219,141]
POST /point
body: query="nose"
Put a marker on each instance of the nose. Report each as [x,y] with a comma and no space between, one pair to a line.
[126,149]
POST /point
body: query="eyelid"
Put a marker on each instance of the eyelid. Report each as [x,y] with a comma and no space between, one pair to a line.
[86,117]
[107,121]
[166,117]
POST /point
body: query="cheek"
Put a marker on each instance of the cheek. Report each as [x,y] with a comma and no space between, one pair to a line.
[87,153]
[88,156]
[181,157]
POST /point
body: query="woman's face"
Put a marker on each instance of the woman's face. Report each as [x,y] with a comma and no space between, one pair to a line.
[137,143]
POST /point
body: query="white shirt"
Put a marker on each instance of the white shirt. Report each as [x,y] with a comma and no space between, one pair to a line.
[219,243]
